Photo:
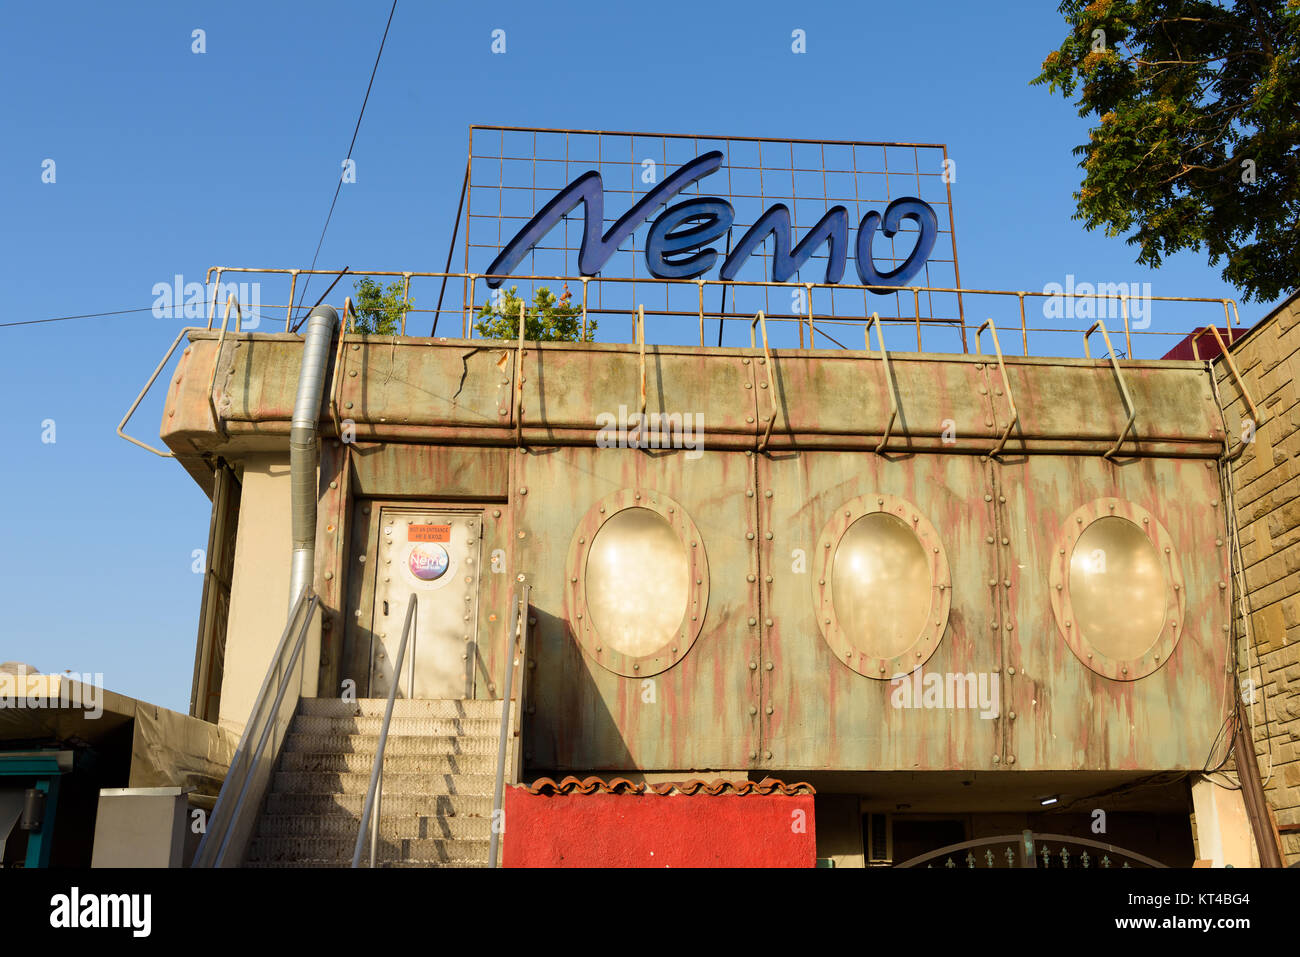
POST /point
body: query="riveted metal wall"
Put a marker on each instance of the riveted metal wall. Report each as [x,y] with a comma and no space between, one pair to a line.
[703,711]
[1068,716]
[820,713]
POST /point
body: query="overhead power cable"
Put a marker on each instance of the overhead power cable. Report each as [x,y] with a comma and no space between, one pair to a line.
[339,186]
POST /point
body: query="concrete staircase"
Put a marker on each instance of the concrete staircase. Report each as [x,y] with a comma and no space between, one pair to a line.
[439,774]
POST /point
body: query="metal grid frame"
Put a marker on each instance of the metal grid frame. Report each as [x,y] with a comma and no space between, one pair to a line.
[503,192]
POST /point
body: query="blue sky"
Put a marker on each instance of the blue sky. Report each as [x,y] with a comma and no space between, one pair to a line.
[168,162]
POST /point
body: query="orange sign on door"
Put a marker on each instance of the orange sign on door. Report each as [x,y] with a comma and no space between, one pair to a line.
[428,533]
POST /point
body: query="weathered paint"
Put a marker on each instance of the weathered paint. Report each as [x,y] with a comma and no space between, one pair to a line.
[652,830]
[436,422]
[695,715]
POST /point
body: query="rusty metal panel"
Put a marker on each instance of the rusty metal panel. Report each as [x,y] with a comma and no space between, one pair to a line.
[700,713]
[1068,716]
[422,382]
[565,388]
[396,470]
[818,711]
[1081,400]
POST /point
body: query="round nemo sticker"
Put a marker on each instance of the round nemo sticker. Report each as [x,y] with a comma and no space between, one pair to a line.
[428,561]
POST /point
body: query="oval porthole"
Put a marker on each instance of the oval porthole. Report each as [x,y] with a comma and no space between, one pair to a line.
[881,586]
[637,582]
[1117,589]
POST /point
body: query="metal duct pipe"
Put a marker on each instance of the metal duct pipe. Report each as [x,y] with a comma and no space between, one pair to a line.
[302,445]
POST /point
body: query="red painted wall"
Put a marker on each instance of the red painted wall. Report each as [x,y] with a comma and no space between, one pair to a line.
[636,830]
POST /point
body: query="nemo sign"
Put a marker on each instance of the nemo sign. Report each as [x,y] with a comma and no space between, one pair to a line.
[678,245]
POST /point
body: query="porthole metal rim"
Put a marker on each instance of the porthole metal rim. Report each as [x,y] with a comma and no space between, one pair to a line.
[936,621]
[1159,652]
[697,601]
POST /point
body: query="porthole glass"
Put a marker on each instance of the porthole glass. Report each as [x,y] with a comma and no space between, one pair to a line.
[1118,588]
[637,582]
[880,583]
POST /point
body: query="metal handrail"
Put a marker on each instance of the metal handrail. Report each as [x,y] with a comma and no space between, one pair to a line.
[1232,367]
[1006,384]
[518,644]
[374,794]
[1233,317]
[889,376]
[759,320]
[1123,387]
[231,820]
[216,362]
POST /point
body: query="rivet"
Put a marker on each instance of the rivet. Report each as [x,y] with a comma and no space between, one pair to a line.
[749,493]
[768,579]
[521,534]
[769,709]
[1002,499]
[749,418]
[1011,759]
[880,501]
[329,575]
[637,495]
[1011,671]
[753,666]
[524,491]
[1215,503]
[767,494]
[768,536]
[1219,542]
[1146,521]
[334,484]
[882,669]
[573,580]
[821,581]
[753,754]
[993,627]
[636,667]
[1006,541]
[753,621]
[768,755]
[1012,715]
[768,622]
[988,498]
[1079,519]
[1222,585]
[753,710]
[349,405]
[1006,582]
[362,559]
[1123,671]
[749,536]
[989,539]
[1060,551]
[996,759]
[993,583]
[1009,626]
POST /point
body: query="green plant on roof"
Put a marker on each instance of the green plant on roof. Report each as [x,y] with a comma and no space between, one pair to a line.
[548,319]
[379,309]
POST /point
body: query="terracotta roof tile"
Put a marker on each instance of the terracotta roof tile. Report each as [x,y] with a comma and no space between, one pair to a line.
[596,785]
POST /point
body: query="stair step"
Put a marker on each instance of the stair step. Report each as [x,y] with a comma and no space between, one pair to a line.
[395,806]
[393,763]
[341,849]
[477,710]
[421,726]
[333,782]
[392,827]
[367,744]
